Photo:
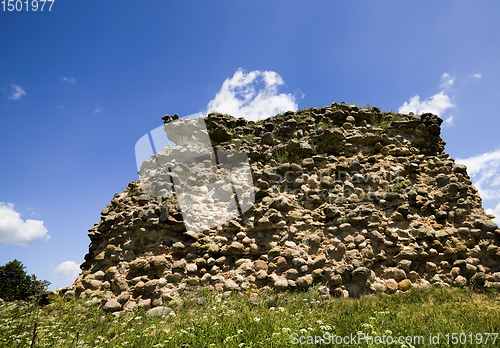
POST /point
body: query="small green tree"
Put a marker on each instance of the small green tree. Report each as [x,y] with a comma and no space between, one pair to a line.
[15,284]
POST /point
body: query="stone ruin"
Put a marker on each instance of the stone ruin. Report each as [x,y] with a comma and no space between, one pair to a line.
[353,199]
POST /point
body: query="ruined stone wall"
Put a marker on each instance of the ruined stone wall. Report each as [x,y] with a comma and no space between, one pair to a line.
[355,199]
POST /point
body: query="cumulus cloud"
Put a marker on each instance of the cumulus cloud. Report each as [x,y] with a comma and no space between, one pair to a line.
[69,80]
[98,109]
[437,104]
[14,230]
[17,92]
[447,81]
[448,122]
[242,96]
[484,171]
[67,270]
[477,76]
[495,211]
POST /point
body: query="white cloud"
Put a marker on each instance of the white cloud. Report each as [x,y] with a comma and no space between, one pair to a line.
[484,171]
[67,270]
[17,93]
[69,80]
[495,211]
[448,122]
[477,76]
[98,109]
[447,81]
[437,104]
[14,230]
[239,96]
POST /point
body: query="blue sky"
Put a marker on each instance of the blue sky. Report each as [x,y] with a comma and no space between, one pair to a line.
[79,85]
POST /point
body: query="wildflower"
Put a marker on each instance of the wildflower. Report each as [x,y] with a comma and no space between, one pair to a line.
[239,331]
[281,309]
[256,319]
[271,309]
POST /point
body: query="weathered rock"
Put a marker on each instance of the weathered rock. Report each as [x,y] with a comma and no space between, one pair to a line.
[460,281]
[391,285]
[112,306]
[281,283]
[230,285]
[404,285]
[360,274]
[123,298]
[144,302]
[159,312]
[305,281]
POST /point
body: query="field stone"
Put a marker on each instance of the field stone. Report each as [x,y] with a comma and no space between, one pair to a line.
[159,312]
[460,281]
[305,281]
[281,283]
[360,274]
[1,302]
[324,291]
[404,285]
[378,286]
[144,302]
[130,305]
[261,275]
[391,285]
[230,285]
[99,275]
[393,272]
[112,306]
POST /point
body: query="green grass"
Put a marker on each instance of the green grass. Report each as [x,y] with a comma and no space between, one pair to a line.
[238,139]
[406,182]
[271,322]
[286,156]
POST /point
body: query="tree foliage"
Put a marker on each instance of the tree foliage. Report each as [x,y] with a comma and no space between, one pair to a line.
[15,284]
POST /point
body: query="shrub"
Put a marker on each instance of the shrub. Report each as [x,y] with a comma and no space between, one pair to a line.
[15,284]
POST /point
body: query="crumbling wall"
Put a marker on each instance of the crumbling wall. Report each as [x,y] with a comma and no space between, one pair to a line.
[356,199]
